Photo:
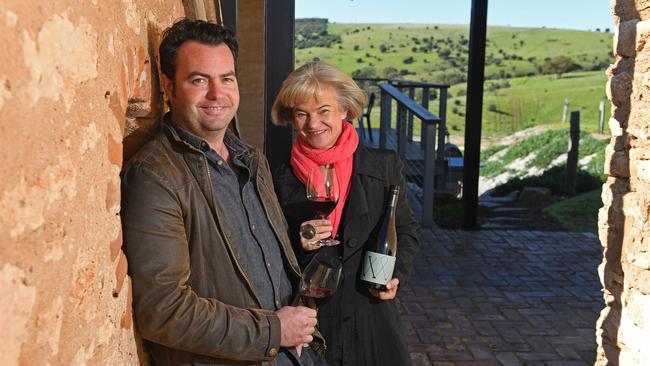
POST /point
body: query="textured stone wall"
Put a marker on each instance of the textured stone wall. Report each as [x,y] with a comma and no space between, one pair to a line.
[624,224]
[68,72]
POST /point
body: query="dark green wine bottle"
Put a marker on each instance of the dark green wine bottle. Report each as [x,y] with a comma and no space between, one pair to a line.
[379,261]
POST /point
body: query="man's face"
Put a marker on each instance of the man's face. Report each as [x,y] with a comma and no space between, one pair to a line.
[204,95]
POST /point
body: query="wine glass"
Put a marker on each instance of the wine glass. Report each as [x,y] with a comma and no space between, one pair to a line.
[323,194]
[320,278]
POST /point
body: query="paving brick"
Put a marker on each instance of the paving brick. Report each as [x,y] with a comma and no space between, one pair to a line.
[420,359]
[567,363]
[481,351]
[567,353]
[512,314]
[450,356]
[503,297]
[511,335]
[429,336]
[454,343]
[415,347]
[539,344]
[508,359]
[538,356]
[484,328]
[478,363]
[413,308]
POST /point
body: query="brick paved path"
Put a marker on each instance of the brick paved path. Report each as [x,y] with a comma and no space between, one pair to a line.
[503,297]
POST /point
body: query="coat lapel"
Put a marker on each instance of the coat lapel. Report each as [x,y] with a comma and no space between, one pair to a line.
[366,182]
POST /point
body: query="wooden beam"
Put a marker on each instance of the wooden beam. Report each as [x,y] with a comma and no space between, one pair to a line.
[475,79]
[211,14]
[194,9]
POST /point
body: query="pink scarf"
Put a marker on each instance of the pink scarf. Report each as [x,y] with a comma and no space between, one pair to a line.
[304,158]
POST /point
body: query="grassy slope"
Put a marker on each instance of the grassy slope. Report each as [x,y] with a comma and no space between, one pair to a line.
[534,100]
[369,41]
[541,43]
[579,213]
[538,42]
[547,146]
[529,101]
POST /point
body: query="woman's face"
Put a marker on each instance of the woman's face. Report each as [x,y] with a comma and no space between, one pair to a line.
[319,122]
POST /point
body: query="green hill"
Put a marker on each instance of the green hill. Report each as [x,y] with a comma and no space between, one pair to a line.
[529,101]
[517,95]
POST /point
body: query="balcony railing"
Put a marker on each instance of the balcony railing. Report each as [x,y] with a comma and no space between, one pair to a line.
[423,155]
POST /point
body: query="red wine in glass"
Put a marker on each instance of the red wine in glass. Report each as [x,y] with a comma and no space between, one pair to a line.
[317,292]
[309,295]
[323,205]
[320,278]
[323,194]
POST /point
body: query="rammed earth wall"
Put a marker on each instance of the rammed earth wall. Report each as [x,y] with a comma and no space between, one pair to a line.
[68,71]
[624,325]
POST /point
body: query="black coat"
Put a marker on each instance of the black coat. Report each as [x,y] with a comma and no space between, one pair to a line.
[359,329]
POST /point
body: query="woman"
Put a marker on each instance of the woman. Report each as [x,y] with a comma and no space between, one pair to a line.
[361,326]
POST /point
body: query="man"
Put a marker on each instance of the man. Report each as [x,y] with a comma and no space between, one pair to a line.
[209,257]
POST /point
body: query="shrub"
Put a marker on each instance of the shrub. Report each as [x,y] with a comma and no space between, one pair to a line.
[365,73]
[559,65]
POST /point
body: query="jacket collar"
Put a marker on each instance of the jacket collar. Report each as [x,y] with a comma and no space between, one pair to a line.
[365,166]
[195,143]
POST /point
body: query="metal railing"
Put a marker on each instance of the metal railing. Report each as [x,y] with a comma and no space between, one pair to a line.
[431,174]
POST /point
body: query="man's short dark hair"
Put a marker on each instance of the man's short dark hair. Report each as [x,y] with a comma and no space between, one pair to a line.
[192,30]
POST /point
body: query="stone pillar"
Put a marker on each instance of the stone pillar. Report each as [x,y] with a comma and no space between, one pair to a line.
[69,71]
[624,225]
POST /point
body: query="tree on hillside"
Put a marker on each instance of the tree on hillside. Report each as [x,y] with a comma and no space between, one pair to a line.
[312,32]
[559,65]
[365,73]
[452,76]
[390,72]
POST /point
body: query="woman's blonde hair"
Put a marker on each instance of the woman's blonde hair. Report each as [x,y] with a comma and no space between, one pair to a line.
[308,81]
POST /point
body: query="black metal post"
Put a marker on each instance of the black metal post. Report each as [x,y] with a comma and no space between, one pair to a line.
[280,19]
[229,14]
[475,79]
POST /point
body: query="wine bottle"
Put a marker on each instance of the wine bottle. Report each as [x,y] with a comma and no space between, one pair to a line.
[379,261]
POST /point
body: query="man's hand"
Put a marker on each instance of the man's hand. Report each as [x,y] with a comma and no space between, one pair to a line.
[297,324]
[389,294]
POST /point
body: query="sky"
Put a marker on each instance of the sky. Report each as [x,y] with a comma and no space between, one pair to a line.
[566,14]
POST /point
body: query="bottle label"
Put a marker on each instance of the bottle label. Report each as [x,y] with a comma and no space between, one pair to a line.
[377,268]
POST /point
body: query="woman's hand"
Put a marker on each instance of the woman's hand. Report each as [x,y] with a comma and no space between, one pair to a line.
[320,229]
[389,293]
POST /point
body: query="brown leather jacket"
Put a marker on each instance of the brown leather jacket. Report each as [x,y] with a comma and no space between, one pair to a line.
[194,304]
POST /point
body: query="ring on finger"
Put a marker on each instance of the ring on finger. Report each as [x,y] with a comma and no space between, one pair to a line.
[308,231]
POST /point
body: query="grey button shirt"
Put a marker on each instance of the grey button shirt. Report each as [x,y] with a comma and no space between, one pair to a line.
[252,237]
